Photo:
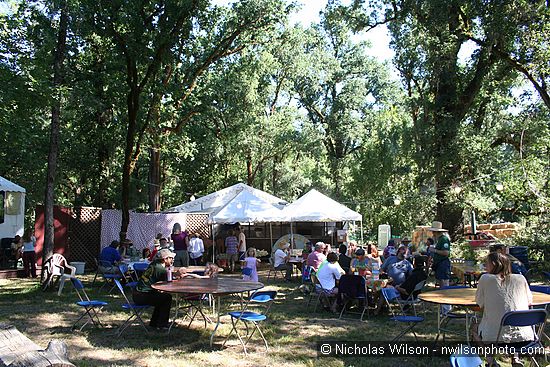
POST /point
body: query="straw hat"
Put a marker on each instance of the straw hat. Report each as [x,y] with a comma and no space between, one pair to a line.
[437,227]
[164,253]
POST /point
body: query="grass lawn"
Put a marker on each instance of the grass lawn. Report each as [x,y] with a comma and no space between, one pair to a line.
[292,331]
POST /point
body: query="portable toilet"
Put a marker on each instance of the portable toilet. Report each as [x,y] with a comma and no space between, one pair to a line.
[384,235]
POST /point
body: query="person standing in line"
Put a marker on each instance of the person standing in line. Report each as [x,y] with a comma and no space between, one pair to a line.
[181,244]
[196,249]
[251,262]
[29,256]
[232,249]
[242,242]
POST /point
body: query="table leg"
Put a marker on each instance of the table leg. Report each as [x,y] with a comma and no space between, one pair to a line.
[438,323]
[216,307]
[467,325]
[175,313]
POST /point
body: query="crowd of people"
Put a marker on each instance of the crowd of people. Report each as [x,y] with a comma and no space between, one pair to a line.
[401,265]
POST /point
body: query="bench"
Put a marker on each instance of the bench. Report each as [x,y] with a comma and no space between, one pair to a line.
[16,350]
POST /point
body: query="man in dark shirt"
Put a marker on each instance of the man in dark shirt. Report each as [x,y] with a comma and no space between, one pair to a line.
[343,259]
[417,275]
[144,294]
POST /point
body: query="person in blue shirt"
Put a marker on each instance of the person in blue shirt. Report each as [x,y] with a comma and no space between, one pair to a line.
[397,267]
[109,258]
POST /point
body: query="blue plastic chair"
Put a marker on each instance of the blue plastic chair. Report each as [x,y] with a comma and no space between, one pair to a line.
[391,295]
[135,310]
[535,318]
[91,307]
[128,275]
[263,299]
[465,360]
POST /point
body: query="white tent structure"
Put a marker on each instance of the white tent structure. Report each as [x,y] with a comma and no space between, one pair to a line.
[12,208]
[214,202]
[247,208]
[316,207]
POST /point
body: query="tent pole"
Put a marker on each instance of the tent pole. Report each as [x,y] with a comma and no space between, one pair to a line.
[270,235]
[213,244]
[361,225]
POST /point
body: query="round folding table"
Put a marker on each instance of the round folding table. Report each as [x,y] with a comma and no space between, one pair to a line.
[217,287]
[466,298]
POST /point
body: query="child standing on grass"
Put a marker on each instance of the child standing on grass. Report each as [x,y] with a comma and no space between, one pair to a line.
[250,262]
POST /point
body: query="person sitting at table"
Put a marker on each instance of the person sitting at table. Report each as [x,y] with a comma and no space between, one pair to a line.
[417,275]
[361,263]
[344,260]
[397,267]
[328,275]
[110,258]
[280,260]
[127,250]
[372,252]
[389,250]
[316,257]
[144,294]
[352,247]
[517,266]
[145,253]
[163,244]
[499,291]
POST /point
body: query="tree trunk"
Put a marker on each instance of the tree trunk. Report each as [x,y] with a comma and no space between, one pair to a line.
[249,171]
[49,199]
[133,107]
[154,180]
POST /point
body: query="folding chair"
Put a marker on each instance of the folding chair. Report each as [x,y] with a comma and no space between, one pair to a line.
[272,269]
[136,310]
[91,307]
[261,298]
[350,288]
[320,292]
[108,278]
[535,318]
[445,318]
[465,360]
[413,300]
[391,295]
[128,275]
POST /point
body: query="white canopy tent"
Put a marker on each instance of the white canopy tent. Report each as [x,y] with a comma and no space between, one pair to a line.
[215,201]
[13,210]
[237,203]
[247,208]
[316,207]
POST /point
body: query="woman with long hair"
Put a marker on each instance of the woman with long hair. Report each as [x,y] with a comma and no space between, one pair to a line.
[499,291]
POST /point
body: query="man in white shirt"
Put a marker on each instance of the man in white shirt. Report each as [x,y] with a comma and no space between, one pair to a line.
[242,243]
[328,275]
[280,261]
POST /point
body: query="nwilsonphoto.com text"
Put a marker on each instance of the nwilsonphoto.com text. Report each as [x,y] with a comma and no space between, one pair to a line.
[417,349]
